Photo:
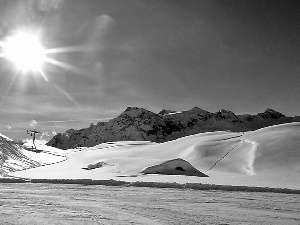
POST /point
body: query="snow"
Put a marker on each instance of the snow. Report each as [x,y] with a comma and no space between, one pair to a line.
[7,138]
[173,113]
[265,157]
[174,167]
[93,205]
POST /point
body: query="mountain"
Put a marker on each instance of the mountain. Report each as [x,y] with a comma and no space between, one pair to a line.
[138,124]
[133,124]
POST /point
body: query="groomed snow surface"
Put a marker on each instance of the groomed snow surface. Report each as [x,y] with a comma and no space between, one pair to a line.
[268,157]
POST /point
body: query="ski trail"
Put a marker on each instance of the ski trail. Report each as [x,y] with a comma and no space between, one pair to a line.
[251,155]
[222,157]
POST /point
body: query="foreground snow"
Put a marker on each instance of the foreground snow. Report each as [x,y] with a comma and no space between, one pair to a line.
[266,157]
[29,204]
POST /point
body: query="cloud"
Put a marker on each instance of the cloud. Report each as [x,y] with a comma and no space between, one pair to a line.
[44,136]
[93,34]
[101,23]
[33,123]
[47,135]
[47,5]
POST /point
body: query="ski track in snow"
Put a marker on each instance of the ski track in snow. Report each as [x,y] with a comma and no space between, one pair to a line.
[251,153]
[219,160]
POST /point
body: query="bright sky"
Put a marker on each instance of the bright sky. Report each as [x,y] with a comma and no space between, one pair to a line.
[107,55]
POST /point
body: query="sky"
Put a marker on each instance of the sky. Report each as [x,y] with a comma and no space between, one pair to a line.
[169,54]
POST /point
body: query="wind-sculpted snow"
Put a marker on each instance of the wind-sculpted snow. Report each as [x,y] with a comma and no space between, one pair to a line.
[266,157]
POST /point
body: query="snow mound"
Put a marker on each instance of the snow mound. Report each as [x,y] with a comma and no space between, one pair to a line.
[174,167]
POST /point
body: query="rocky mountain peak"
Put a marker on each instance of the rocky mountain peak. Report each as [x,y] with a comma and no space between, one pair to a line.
[134,116]
[200,111]
[271,114]
[129,109]
[196,109]
[225,114]
[135,112]
[225,111]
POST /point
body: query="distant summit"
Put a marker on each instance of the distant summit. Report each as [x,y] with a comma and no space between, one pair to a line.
[270,114]
[224,114]
[139,124]
[136,112]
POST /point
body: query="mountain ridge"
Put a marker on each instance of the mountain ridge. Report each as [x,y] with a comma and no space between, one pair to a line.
[139,124]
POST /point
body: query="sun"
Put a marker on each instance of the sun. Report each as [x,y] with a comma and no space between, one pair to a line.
[25,51]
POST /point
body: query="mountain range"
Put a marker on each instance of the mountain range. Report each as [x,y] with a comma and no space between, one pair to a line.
[138,124]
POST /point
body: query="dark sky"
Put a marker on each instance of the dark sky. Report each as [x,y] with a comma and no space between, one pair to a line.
[239,55]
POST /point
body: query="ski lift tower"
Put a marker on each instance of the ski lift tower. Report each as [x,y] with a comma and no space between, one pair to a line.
[32,134]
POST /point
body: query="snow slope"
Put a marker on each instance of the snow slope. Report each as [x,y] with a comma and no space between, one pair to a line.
[265,157]
[12,157]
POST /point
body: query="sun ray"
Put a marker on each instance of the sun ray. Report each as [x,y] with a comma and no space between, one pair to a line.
[44,75]
[66,66]
[2,43]
[68,96]
[11,84]
[80,48]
